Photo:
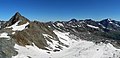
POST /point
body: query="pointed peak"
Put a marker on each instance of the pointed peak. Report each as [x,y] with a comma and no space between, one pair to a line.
[105,20]
[17,17]
[17,14]
[73,20]
[108,19]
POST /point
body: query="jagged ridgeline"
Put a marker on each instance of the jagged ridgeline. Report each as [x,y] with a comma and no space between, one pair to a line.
[19,37]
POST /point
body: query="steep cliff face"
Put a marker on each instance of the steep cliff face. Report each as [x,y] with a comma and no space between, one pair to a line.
[21,37]
[17,17]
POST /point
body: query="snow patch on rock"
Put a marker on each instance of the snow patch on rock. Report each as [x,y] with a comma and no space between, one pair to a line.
[4,35]
[60,24]
[63,37]
[15,26]
[92,26]
[13,32]
[46,35]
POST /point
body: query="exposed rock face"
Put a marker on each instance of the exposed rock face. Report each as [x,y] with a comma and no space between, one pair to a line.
[7,48]
[17,17]
[2,23]
[44,37]
[35,34]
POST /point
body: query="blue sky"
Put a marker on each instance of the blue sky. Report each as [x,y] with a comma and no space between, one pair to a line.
[53,10]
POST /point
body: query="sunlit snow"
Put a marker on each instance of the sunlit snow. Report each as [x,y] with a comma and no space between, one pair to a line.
[30,51]
[60,24]
[4,35]
[18,28]
[92,26]
[63,37]
[46,35]
[78,49]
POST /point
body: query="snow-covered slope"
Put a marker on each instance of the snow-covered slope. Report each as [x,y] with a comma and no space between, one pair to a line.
[15,26]
[30,52]
[76,49]
[85,49]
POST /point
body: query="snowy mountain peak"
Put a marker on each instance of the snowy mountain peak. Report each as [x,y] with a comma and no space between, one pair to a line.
[17,17]
[108,20]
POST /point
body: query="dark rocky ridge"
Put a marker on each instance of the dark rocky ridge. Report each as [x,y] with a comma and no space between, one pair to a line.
[106,32]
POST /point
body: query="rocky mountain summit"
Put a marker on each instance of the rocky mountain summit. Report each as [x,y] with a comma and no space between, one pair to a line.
[22,38]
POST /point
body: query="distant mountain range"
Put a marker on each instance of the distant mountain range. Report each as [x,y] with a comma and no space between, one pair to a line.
[22,38]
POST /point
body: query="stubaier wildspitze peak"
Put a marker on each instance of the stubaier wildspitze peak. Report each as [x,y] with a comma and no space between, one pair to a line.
[87,38]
